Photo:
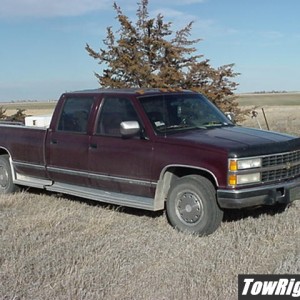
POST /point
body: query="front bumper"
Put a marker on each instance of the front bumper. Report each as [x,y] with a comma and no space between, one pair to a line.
[284,192]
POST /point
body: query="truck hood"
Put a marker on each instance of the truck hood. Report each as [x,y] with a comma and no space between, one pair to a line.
[240,141]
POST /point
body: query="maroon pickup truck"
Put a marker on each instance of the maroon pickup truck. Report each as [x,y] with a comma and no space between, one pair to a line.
[152,149]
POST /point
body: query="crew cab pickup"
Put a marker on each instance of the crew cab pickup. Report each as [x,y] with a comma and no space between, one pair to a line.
[152,149]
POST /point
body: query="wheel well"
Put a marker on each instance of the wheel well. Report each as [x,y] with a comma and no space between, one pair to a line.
[178,172]
[174,172]
[3,151]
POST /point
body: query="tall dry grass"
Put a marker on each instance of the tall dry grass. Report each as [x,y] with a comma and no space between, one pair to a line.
[284,119]
[60,248]
[282,111]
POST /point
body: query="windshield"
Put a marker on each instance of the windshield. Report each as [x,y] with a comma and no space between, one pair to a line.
[173,113]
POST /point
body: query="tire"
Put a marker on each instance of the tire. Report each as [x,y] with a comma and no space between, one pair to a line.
[6,182]
[192,206]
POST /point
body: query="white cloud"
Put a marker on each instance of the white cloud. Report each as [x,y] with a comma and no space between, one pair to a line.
[169,13]
[205,27]
[177,17]
[53,8]
[50,8]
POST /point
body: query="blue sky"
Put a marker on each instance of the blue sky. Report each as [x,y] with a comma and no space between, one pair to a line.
[42,41]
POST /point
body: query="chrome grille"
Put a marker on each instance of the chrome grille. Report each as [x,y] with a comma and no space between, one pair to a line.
[281,166]
[280,174]
[283,158]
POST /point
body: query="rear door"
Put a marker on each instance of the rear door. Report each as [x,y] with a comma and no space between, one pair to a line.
[67,144]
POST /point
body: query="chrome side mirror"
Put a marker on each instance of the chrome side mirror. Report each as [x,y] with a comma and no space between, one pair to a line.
[230,116]
[129,128]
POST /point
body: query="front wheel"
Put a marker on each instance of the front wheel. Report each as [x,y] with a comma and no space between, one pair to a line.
[6,182]
[192,205]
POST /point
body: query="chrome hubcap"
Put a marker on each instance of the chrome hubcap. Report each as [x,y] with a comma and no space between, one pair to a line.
[189,208]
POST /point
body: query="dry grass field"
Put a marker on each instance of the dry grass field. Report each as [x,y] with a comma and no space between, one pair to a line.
[31,108]
[59,247]
[282,111]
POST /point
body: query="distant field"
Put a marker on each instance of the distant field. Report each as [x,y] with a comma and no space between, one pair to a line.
[282,111]
[32,108]
[269,99]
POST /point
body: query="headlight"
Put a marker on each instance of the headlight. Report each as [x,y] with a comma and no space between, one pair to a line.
[244,171]
[242,164]
[244,179]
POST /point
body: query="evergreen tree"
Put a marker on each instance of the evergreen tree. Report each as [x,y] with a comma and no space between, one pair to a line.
[18,116]
[148,54]
[2,113]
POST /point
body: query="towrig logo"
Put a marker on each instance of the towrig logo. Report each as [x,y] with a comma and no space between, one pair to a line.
[268,287]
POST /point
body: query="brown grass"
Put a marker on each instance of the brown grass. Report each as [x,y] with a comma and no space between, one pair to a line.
[282,111]
[58,248]
[64,248]
[285,119]
[31,108]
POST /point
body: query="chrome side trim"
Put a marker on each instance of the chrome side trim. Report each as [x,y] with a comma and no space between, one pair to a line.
[123,180]
[68,172]
[104,196]
[28,165]
[98,176]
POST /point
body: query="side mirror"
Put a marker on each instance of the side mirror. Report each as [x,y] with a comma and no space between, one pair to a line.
[129,128]
[230,116]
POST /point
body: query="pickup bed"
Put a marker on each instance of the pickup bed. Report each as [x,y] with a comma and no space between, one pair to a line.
[152,149]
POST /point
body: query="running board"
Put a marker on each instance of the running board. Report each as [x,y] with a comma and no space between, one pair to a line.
[103,196]
[29,181]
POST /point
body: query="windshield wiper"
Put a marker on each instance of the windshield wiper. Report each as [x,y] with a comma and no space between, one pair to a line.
[176,127]
[215,124]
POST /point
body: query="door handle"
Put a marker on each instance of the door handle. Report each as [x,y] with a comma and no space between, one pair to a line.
[54,142]
[93,146]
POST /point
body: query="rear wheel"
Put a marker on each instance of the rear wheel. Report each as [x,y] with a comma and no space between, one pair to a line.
[192,205]
[6,182]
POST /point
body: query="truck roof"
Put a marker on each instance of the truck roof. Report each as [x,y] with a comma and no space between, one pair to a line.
[131,91]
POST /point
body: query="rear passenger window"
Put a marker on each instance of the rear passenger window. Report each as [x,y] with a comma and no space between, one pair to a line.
[75,114]
[114,111]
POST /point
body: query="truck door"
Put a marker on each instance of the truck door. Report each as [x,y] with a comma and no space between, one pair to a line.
[67,144]
[116,163]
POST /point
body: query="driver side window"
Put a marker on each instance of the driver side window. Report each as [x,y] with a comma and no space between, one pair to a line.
[114,111]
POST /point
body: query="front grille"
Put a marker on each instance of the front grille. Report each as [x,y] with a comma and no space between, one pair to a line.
[280,174]
[283,158]
[281,166]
